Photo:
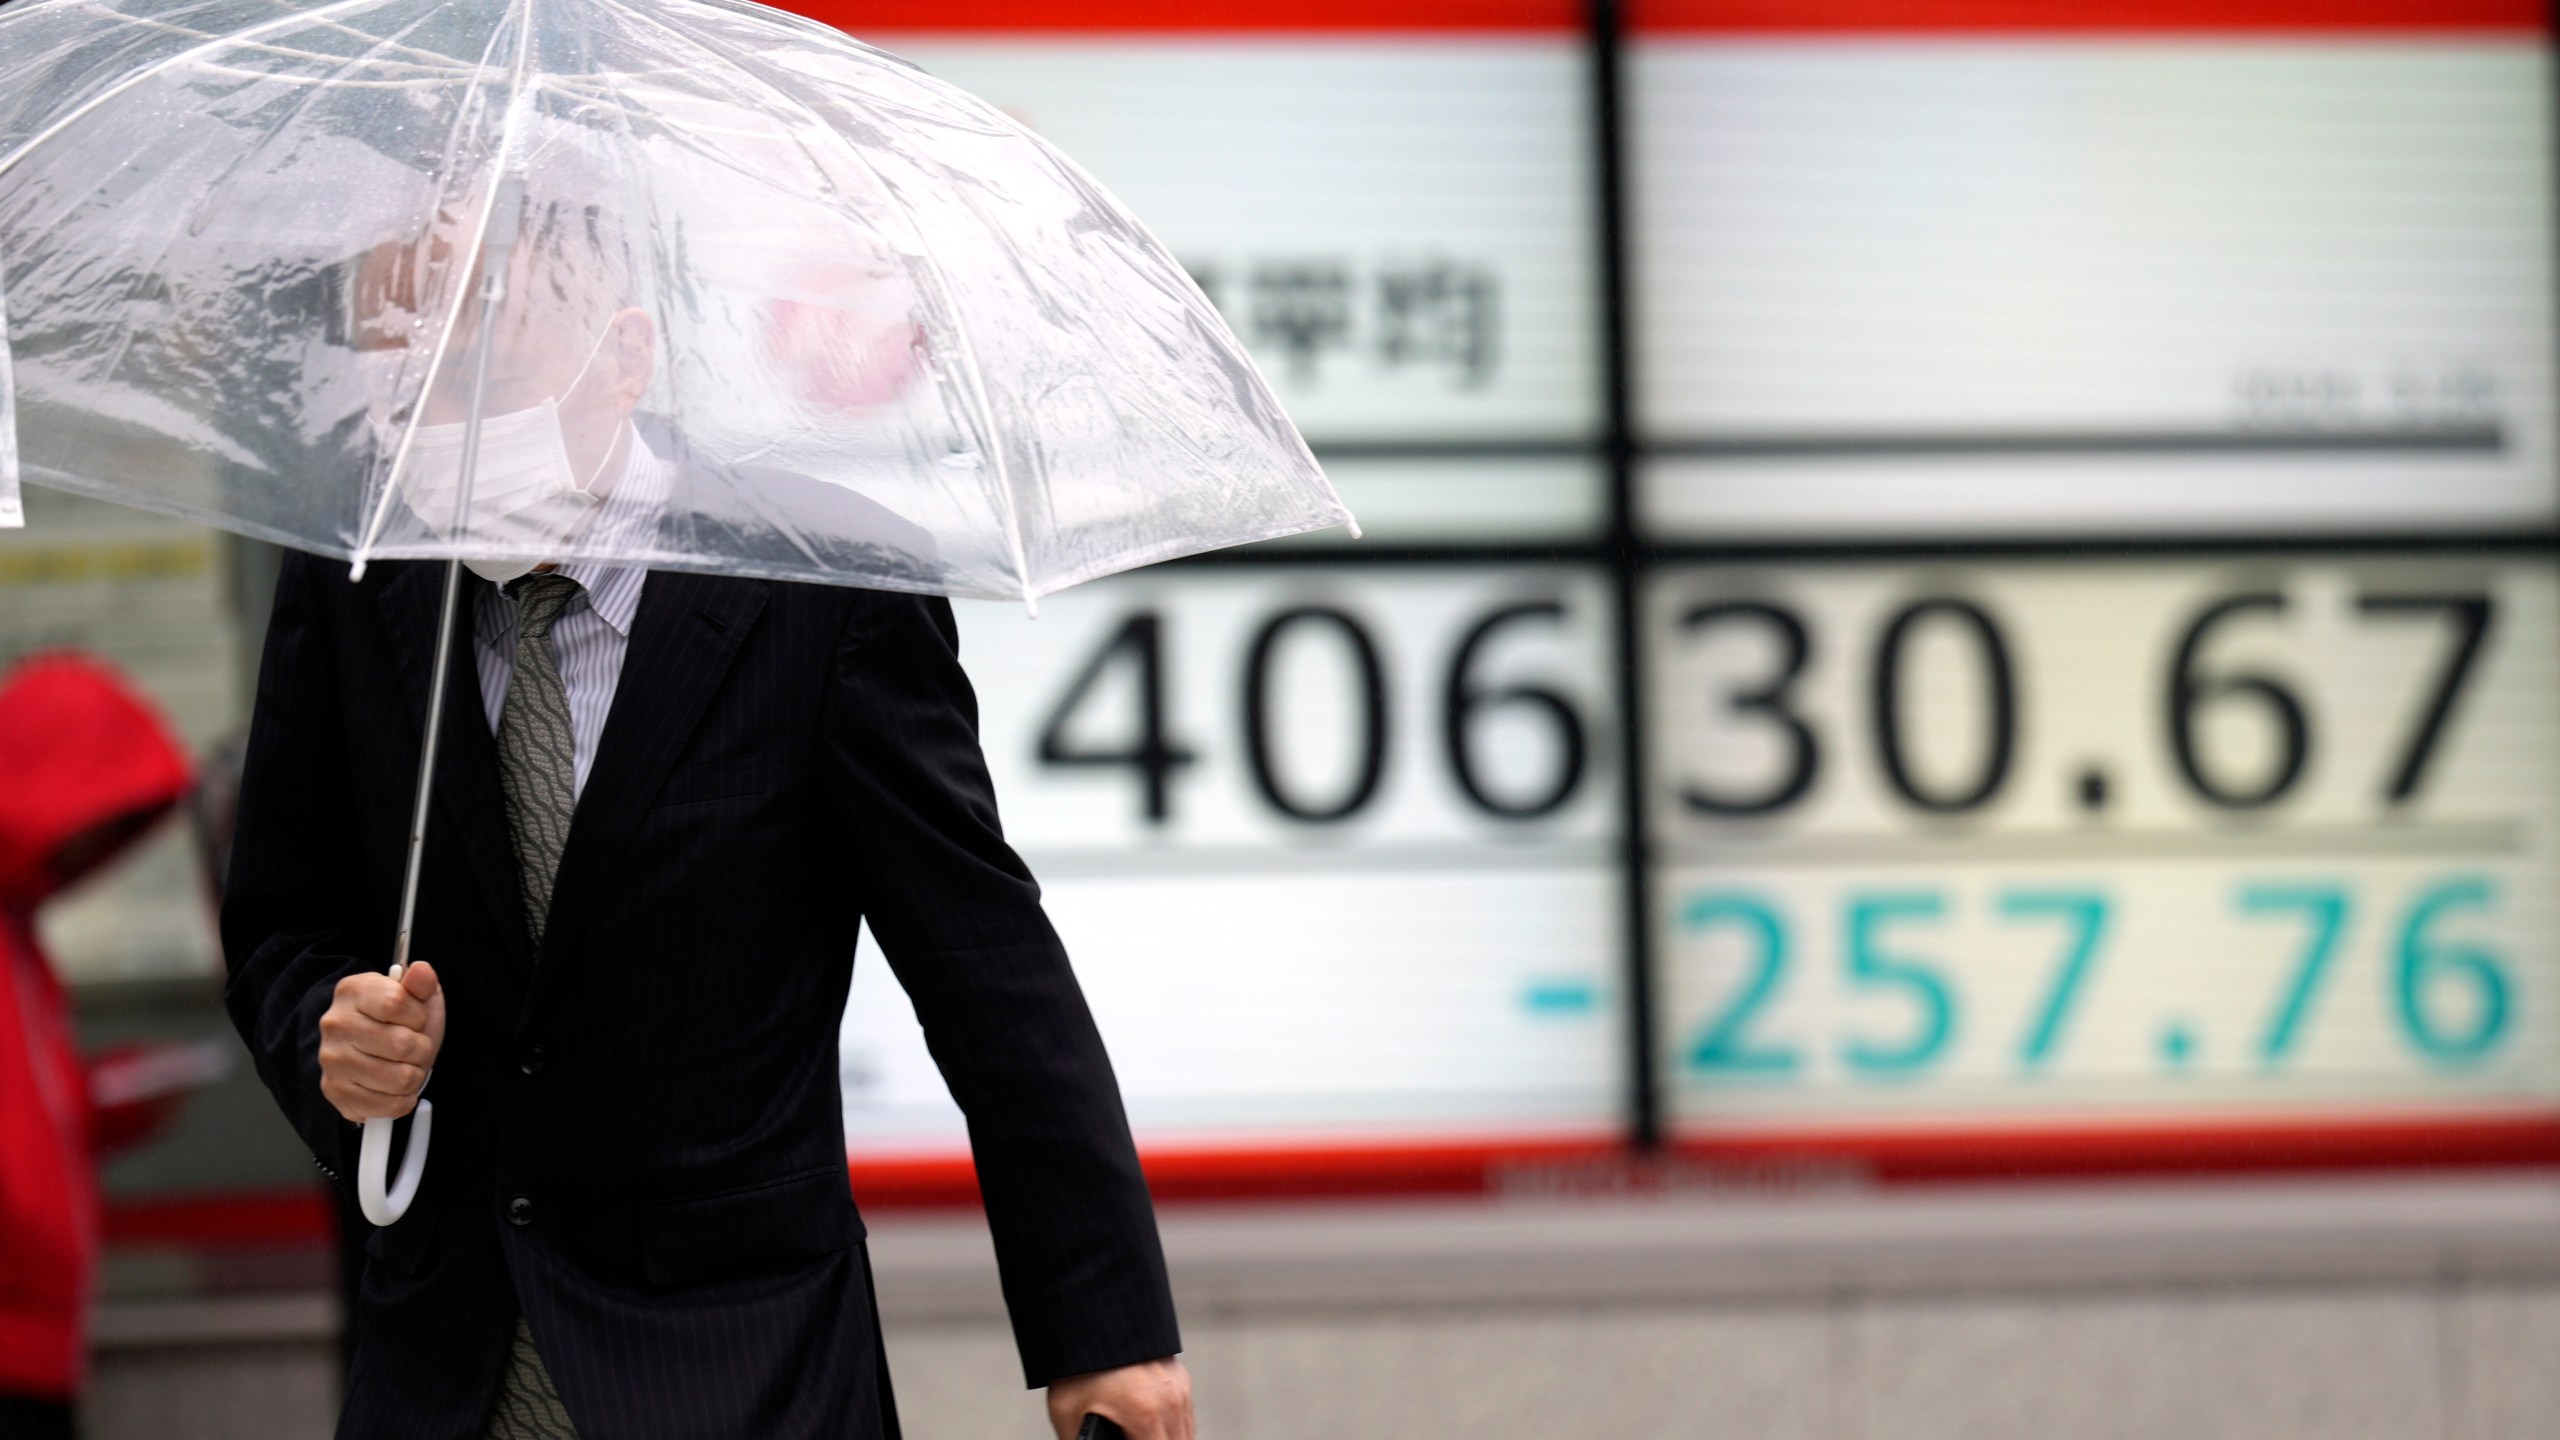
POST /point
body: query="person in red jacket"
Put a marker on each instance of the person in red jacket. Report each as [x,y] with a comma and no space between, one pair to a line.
[86,766]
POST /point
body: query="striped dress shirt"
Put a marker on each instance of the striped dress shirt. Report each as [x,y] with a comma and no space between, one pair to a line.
[593,633]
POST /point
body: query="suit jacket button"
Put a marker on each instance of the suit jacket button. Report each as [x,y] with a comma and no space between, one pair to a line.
[531,1064]
[520,1210]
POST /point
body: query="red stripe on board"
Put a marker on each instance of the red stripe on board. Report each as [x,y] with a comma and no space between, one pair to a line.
[2065,17]
[2451,1143]
[1035,17]
[1885,1157]
[1260,1174]
[252,1219]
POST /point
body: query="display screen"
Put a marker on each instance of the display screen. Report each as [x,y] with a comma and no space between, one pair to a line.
[1939,269]
[2214,848]
[2036,844]
[1397,220]
[1335,854]
[1334,844]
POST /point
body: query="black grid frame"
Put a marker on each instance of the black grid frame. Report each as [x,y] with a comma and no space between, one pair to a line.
[1630,561]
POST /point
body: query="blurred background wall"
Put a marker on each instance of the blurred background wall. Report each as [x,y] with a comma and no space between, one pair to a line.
[1930,808]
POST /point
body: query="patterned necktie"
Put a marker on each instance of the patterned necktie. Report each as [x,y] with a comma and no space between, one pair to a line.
[527,1405]
[537,746]
[538,773]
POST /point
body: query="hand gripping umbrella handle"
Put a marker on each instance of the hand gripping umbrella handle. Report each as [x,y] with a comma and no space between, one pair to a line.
[373,1166]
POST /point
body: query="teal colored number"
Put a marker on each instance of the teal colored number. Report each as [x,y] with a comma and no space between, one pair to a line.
[1870,967]
[2427,962]
[2326,905]
[2086,915]
[1726,1045]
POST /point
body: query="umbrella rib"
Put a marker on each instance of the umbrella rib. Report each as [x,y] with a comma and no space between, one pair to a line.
[27,13]
[289,52]
[621,110]
[772,15]
[440,61]
[333,82]
[10,514]
[745,493]
[166,63]
[738,63]
[462,288]
[195,215]
[687,135]
[924,245]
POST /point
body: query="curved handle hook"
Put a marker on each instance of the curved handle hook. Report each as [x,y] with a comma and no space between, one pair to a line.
[375,1163]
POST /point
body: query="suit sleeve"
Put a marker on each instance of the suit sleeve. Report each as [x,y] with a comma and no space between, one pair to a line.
[286,935]
[959,917]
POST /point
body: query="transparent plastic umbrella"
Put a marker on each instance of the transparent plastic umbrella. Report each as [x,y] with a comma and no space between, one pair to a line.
[690,284]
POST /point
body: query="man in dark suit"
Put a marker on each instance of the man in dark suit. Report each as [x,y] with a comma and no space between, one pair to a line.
[641,889]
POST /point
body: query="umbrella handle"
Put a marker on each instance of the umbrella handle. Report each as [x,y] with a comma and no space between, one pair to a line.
[385,1208]
[506,211]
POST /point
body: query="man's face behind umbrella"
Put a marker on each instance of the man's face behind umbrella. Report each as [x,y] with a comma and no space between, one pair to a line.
[565,332]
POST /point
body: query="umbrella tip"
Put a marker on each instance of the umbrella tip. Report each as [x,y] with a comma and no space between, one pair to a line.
[1352,524]
[1031,606]
[355,572]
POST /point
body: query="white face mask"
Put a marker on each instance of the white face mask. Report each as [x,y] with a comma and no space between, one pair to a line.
[526,499]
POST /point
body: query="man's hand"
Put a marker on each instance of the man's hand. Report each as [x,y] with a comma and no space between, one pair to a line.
[379,1040]
[1152,1401]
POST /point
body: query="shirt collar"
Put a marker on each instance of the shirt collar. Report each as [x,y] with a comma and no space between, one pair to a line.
[626,523]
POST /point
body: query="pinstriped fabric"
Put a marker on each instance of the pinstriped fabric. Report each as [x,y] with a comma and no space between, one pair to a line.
[527,1406]
[538,745]
[793,761]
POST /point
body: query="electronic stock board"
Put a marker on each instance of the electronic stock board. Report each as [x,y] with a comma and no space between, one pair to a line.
[2052,745]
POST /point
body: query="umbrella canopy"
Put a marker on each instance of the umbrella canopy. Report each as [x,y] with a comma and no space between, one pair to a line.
[805,311]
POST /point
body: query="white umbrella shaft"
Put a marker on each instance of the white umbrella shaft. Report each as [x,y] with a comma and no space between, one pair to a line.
[383,1205]
[380,1206]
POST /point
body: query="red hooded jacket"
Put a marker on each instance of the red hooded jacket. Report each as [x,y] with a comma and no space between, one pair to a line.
[78,749]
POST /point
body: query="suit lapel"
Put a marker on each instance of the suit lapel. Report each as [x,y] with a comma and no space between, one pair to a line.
[687,631]
[467,803]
